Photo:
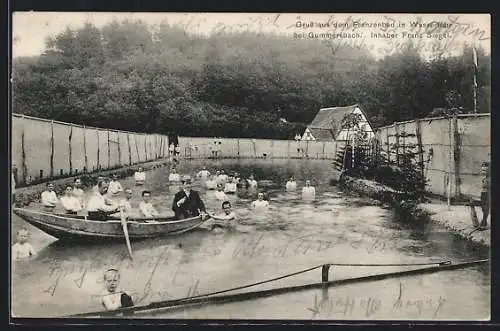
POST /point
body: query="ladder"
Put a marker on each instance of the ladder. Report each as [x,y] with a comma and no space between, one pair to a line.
[339,158]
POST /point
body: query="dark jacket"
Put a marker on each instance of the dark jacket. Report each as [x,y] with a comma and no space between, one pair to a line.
[190,207]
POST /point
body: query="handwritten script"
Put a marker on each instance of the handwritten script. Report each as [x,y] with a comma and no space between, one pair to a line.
[257,245]
[380,34]
[369,307]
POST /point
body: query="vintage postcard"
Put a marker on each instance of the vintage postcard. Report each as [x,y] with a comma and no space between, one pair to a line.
[251,166]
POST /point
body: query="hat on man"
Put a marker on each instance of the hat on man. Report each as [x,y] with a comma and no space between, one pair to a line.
[186,179]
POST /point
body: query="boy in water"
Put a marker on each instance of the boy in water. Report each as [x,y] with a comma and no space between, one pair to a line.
[260,202]
[22,249]
[308,191]
[228,216]
[112,298]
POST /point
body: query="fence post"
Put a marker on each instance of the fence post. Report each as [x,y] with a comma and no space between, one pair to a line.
[450,160]
[397,142]
[145,147]
[119,150]
[387,144]
[85,147]
[160,150]
[70,153]
[129,149]
[137,148]
[109,152]
[52,148]
[418,133]
[23,152]
[98,150]
[155,146]
[456,157]
[324,273]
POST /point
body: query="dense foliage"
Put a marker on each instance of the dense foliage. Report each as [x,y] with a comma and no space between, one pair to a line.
[132,76]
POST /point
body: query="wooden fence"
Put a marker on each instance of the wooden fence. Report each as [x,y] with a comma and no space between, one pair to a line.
[48,149]
[451,150]
[203,147]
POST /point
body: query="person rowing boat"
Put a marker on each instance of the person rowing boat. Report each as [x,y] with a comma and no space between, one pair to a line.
[99,207]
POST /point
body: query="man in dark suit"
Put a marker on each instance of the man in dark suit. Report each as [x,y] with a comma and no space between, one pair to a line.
[187,202]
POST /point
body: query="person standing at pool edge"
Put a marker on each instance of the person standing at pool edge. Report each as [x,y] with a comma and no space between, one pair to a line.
[484,201]
[187,202]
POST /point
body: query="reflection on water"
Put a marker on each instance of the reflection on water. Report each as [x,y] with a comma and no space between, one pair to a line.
[291,235]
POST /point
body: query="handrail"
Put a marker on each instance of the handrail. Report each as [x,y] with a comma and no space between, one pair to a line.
[211,298]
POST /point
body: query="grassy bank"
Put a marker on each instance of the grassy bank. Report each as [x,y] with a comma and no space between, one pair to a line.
[456,218]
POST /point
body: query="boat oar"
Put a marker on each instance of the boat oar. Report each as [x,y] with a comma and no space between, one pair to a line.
[125,232]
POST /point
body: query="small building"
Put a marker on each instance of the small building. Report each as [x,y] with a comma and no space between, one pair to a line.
[326,126]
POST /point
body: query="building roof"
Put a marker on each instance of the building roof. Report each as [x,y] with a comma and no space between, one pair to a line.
[327,123]
[322,134]
[331,118]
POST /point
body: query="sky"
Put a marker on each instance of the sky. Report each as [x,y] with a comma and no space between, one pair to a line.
[381,33]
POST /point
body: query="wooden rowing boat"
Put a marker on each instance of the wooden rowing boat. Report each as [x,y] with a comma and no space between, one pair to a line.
[72,227]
